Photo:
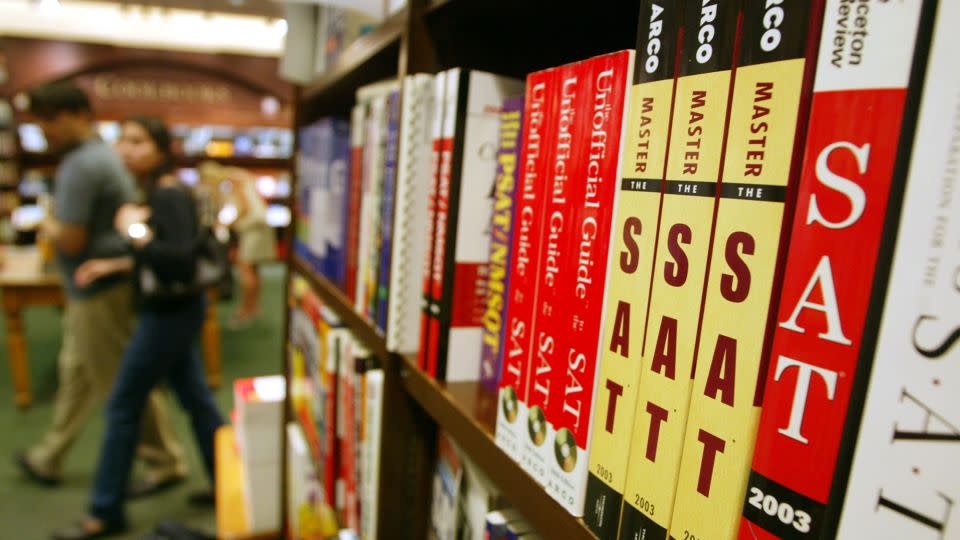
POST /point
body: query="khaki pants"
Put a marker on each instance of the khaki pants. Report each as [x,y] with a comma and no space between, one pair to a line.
[96,331]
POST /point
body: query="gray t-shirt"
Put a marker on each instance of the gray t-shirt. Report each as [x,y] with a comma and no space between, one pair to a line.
[90,185]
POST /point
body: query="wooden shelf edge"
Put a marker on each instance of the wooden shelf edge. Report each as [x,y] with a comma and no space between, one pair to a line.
[550,519]
[533,502]
[337,301]
[358,53]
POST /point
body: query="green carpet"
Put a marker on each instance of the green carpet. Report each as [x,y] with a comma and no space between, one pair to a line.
[28,511]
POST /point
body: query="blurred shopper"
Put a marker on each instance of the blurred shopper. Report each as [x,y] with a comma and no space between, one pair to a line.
[256,243]
[91,183]
[163,236]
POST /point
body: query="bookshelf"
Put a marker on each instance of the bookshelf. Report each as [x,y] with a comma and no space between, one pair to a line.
[429,36]
[466,410]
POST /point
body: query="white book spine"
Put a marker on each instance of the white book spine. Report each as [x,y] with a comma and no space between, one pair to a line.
[415,175]
[374,417]
[904,480]
[373,174]
[478,169]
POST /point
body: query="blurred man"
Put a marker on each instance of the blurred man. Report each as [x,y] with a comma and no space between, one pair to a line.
[91,183]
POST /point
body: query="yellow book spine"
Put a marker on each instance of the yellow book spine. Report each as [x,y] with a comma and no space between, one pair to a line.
[680,267]
[634,236]
[725,403]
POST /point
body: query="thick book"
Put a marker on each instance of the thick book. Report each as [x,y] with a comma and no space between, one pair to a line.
[595,179]
[336,219]
[348,495]
[437,157]
[373,413]
[537,146]
[330,329]
[313,193]
[549,342]
[385,237]
[847,188]
[446,517]
[308,514]
[307,385]
[501,236]
[371,205]
[358,118]
[903,477]
[462,240]
[767,125]
[301,210]
[374,175]
[681,261]
[410,246]
[644,156]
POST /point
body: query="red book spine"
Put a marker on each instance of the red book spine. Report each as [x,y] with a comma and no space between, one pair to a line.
[439,254]
[549,339]
[845,187]
[354,196]
[437,133]
[539,111]
[594,178]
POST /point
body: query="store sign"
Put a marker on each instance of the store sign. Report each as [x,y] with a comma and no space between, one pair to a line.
[109,87]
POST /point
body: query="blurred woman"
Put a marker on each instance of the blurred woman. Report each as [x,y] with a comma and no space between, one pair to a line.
[163,237]
[256,240]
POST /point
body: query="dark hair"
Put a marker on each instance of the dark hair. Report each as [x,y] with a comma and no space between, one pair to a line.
[157,131]
[49,100]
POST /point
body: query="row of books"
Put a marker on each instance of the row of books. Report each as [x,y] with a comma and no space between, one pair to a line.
[725,266]
[336,391]
[402,221]
[743,303]
[466,505]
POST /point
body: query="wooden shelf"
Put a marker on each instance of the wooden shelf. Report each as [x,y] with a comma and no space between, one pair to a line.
[466,410]
[358,53]
[334,298]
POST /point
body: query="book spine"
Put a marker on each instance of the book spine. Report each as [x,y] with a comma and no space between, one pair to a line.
[387,212]
[555,238]
[348,461]
[445,236]
[370,144]
[338,220]
[767,121]
[410,221]
[582,290]
[638,213]
[374,382]
[681,261]
[329,395]
[354,197]
[436,158]
[442,233]
[903,479]
[501,228]
[855,123]
[381,108]
[539,112]
[301,236]
[467,247]
[320,202]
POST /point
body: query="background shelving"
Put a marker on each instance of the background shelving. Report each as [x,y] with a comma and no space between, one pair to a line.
[510,38]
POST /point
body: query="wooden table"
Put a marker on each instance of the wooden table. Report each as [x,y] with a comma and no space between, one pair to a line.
[23,282]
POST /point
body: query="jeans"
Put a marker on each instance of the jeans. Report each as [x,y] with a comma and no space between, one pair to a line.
[163,347]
